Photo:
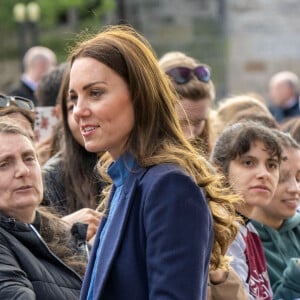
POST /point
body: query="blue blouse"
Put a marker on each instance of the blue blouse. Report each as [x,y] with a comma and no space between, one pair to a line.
[118,171]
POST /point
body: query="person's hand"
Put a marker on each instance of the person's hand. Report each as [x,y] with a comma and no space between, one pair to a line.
[85,215]
[218,276]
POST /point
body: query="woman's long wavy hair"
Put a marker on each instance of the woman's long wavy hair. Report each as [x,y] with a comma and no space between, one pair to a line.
[157,136]
[81,183]
[60,241]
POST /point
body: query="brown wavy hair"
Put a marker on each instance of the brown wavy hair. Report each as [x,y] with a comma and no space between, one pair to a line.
[59,239]
[157,136]
[82,186]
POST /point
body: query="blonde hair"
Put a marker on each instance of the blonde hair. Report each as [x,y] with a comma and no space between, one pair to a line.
[228,109]
[194,89]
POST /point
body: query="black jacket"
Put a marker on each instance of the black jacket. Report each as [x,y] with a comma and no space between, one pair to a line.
[22,90]
[29,269]
[282,114]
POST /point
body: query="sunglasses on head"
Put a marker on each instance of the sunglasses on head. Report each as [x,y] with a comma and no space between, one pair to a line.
[6,101]
[182,75]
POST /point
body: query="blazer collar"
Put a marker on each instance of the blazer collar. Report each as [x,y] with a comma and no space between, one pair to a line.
[113,236]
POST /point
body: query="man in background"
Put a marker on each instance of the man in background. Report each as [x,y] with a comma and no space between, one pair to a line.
[284,95]
[37,61]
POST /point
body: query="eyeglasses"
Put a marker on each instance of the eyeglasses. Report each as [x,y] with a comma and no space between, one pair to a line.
[182,75]
[5,101]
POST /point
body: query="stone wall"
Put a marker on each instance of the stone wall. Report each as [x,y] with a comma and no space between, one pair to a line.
[244,41]
[263,38]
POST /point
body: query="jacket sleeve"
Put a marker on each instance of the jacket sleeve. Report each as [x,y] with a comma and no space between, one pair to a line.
[179,235]
[289,285]
[231,289]
[14,284]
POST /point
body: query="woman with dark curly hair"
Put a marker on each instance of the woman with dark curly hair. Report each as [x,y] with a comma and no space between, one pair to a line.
[249,155]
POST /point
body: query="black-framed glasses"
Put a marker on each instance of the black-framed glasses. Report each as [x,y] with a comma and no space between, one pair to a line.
[21,102]
[182,75]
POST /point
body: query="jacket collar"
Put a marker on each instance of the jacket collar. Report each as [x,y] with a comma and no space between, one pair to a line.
[10,223]
[113,237]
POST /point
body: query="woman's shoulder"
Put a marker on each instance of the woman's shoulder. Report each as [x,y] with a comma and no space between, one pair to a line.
[10,232]
[168,176]
[165,169]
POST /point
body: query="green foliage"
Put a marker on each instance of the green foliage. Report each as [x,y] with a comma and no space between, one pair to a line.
[54,31]
[52,10]
[6,14]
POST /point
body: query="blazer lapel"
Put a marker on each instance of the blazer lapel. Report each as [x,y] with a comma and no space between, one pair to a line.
[114,233]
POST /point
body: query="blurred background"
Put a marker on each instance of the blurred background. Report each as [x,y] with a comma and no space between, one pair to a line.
[245,42]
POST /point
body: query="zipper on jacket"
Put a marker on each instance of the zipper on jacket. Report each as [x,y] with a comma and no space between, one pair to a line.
[51,252]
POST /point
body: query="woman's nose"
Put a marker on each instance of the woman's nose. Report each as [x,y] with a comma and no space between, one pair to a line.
[21,169]
[294,186]
[80,109]
[263,172]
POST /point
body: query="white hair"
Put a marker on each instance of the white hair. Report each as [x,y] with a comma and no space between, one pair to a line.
[286,77]
[38,53]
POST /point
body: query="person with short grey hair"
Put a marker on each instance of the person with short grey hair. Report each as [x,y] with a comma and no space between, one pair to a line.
[37,61]
[284,95]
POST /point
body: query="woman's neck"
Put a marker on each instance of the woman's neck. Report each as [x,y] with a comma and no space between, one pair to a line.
[245,210]
[265,218]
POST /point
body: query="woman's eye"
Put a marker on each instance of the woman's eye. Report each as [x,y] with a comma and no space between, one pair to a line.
[198,123]
[247,162]
[3,164]
[29,158]
[96,93]
[70,106]
[273,166]
[72,98]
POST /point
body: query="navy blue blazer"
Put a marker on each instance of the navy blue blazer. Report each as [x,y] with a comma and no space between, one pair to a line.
[159,241]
